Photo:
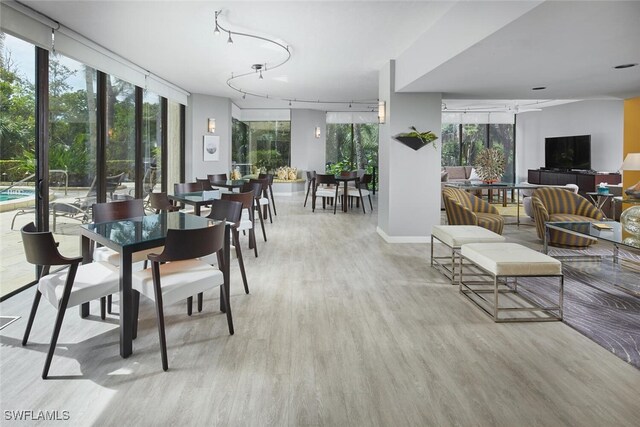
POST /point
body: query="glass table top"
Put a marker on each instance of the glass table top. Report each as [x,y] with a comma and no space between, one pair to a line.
[197,196]
[615,234]
[147,228]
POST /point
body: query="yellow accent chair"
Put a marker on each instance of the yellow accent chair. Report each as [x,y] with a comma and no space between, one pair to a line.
[560,205]
[463,208]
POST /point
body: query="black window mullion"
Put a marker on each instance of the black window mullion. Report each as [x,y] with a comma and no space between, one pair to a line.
[42,139]
[139,165]
[460,144]
[164,142]
[101,141]
[183,157]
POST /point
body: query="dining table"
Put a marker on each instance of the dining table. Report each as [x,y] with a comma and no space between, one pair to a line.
[136,234]
[197,199]
[231,184]
[346,179]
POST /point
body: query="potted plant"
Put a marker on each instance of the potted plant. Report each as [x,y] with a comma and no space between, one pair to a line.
[490,164]
[415,139]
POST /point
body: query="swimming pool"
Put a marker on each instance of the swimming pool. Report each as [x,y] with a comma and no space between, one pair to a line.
[16,194]
[17,198]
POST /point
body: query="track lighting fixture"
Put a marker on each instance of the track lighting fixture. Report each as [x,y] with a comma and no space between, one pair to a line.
[259,68]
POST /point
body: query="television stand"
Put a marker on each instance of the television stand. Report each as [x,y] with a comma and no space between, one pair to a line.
[587,181]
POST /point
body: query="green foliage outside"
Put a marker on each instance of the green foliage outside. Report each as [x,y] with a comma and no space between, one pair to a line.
[351,146]
[263,145]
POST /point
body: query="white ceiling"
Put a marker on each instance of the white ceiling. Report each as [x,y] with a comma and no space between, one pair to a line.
[338,47]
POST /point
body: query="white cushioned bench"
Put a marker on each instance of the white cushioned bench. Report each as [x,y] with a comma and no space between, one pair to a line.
[503,261]
[454,236]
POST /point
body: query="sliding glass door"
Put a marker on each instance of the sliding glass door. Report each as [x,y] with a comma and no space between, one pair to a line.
[17,157]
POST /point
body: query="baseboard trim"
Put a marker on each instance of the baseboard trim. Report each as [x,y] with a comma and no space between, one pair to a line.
[402,239]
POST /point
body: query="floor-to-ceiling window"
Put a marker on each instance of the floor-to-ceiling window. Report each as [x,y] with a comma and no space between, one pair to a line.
[121,134]
[173,143]
[261,145]
[72,143]
[151,141]
[352,142]
[464,135]
[17,156]
[96,137]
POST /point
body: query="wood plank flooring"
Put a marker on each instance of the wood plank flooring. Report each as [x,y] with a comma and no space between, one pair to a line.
[340,329]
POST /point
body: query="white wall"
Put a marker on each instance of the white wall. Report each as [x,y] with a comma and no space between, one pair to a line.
[201,108]
[603,120]
[307,151]
[409,200]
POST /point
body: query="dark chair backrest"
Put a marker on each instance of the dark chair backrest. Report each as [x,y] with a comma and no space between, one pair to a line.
[326,179]
[349,174]
[311,175]
[264,183]
[160,202]
[217,177]
[40,248]
[226,210]
[186,187]
[253,186]
[365,180]
[246,198]
[189,244]
[267,176]
[205,184]
[113,182]
[105,212]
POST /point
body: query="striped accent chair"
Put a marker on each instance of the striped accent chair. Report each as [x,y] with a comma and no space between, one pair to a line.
[557,205]
[464,208]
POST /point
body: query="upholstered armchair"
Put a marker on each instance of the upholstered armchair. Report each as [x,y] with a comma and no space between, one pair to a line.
[464,208]
[559,205]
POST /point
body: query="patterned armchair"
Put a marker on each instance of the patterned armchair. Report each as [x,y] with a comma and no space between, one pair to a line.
[557,205]
[464,208]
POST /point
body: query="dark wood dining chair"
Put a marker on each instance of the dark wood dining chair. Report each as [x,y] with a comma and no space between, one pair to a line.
[269,177]
[217,177]
[247,220]
[230,211]
[263,199]
[256,188]
[160,202]
[205,184]
[311,182]
[326,187]
[362,189]
[114,211]
[186,187]
[78,284]
[177,273]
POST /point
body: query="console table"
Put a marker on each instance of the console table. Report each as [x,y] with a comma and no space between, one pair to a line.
[586,181]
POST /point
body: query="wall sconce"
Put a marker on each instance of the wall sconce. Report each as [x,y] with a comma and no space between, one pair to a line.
[382,111]
[317,131]
[211,125]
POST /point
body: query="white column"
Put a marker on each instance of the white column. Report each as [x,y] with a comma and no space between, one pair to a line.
[307,151]
[409,195]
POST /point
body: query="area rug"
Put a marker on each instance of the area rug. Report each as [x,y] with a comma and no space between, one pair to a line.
[599,309]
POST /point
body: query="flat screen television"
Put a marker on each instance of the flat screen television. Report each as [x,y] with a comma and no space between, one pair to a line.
[568,152]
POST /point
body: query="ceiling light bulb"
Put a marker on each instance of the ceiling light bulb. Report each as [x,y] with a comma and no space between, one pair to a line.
[289,103]
[217,30]
[244,96]
[260,75]
[230,40]
[349,105]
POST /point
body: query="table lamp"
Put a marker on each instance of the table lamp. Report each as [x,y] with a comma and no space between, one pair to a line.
[630,218]
[632,163]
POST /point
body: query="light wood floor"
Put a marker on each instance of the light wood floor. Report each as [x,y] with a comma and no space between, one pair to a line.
[340,329]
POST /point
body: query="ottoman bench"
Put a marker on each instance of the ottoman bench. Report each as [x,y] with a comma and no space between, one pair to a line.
[503,261]
[454,236]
